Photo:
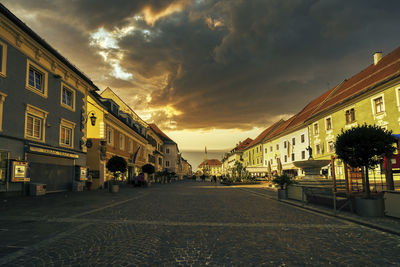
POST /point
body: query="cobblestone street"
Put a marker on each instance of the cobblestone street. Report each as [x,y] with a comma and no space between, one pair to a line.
[182,224]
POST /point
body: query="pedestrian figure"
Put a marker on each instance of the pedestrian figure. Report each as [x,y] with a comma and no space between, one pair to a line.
[140,179]
[215,179]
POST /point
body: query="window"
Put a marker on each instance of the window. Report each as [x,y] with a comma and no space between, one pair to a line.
[121,141]
[272,161]
[256,149]
[285,158]
[350,116]
[167,150]
[329,124]
[316,129]
[331,146]
[36,79]
[303,155]
[115,108]
[35,120]
[3,59]
[67,133]
[378,103]
[293,141]
[292,156]
[110,136]
[130,144]
[67,97]
[265,150]
[302,138]
[167,163]
[2,100]
[266,162]
[277,146]
[318,149]
[270,149]
[284,144]
[159,161]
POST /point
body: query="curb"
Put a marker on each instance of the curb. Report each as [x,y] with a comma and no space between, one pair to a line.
[346,218]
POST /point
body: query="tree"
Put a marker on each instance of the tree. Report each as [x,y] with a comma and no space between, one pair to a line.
[148,168]
[364,147]
[238,168]
[283,180]
[116,164]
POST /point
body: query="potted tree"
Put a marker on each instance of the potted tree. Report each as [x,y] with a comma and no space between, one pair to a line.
[283,181]
[364,147]
[149,170]
[116,165]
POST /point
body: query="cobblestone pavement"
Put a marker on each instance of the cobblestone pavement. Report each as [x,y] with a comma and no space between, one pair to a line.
[182,224]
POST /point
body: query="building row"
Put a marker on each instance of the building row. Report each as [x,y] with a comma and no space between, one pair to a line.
[55,128]
[371,97]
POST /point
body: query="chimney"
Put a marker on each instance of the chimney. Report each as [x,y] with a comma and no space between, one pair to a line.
[377,57]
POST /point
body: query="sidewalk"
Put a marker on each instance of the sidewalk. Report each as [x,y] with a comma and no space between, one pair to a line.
[386,224]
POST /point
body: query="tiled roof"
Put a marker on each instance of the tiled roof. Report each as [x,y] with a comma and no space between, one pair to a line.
[308,110]
[264,134]
[210,162]
[387,68]
[242,145]
[160,133]
[281,127]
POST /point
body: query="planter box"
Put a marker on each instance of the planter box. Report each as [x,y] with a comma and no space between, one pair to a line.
[282,194]
[392,203]
[114,188]
[369,207]
[295,192]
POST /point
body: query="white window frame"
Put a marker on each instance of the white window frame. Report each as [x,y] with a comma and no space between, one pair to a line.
[31,65]
[130,144]
[68,88]
[318,149]
[326,124]
[330,149]
[67,125]
[3,68]
[345,113]
[38,113]
[2,100]
[302,138]
[316,129]
[373,105]
[121,141]
[277,147]
[303,154]
[110,135]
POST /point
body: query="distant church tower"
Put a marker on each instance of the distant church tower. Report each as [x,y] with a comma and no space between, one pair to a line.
[205,153]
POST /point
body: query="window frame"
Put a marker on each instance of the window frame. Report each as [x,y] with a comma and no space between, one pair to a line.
[302,138]
[317,149]
[38,113]
[121,141]
[328,126]
[303,154]
[67,125]
[43,92]
[68,88]
[316,129]
[374,105]
[2,100]
[352,115]
[331,149]
[293,141]
[3,67]
[110,135]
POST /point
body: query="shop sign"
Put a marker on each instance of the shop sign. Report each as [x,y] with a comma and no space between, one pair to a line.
[20,171]
[53,152]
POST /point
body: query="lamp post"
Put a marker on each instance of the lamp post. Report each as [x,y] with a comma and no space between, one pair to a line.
[92,118]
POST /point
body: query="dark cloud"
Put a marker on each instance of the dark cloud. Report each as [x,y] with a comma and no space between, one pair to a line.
[221,64]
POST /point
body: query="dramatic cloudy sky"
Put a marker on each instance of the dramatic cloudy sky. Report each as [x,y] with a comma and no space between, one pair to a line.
[212,72]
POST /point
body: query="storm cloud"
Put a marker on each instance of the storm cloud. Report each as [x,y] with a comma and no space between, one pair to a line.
[215,64]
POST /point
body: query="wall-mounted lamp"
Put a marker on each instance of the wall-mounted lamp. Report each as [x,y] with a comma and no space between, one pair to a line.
[92,118]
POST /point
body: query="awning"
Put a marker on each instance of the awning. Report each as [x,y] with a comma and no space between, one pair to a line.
[396,135]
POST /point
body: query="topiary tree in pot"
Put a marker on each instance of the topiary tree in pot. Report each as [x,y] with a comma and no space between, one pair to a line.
[149,169]
[283,181]
[116,165]
[364,147]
